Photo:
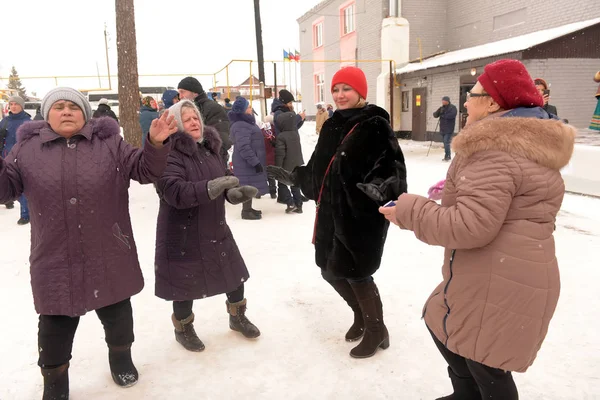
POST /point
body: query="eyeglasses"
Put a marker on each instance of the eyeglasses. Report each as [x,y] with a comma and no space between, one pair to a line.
[469,95]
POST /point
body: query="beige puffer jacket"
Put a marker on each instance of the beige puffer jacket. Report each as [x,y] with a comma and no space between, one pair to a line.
[500,275]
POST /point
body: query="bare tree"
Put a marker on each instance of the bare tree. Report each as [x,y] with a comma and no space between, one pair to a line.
[129,97]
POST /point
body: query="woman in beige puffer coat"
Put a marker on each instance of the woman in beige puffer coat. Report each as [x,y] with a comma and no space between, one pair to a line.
[501,283]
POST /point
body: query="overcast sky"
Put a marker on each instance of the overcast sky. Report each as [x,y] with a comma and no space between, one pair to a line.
[49,38]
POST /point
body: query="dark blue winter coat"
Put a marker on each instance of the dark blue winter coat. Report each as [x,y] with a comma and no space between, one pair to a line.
[447,116]
[277,107]
[11,123]
[248,151]
[147,115]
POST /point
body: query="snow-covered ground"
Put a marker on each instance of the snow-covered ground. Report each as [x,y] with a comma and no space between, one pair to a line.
[302,353]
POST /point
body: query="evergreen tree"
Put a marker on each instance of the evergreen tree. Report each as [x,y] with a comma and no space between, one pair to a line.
[14,82]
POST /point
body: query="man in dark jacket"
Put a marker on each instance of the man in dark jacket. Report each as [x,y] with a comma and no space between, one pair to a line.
[447,115]
[8,138]
[288,155]
[212,112]
[104,110]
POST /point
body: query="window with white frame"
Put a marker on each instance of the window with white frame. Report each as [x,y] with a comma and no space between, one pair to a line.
[318,35]
[348,19]
[319,88]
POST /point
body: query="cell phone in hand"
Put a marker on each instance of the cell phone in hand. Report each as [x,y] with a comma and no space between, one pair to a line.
[390,203]
[547,92]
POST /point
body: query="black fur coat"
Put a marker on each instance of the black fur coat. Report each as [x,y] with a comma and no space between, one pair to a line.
[350,231]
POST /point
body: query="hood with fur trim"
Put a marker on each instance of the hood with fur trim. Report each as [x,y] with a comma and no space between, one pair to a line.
[187,145]
[546,142]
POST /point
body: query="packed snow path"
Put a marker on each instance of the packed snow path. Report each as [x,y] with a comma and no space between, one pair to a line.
[301,353]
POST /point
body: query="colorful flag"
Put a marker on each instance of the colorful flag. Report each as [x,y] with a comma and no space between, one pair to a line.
[297,56]
[286,55]
[291,55]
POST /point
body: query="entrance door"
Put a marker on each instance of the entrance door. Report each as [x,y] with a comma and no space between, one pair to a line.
[419,114]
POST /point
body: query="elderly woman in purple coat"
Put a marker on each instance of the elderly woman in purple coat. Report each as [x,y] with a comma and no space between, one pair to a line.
[75,172]
[249,153]
[196,255]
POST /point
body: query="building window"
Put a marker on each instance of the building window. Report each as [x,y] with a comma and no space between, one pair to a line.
[405,101]
[319,88]
[348,19]
[318,35]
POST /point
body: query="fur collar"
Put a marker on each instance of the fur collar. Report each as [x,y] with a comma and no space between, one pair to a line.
[184,142]
[546,142]
[103,127]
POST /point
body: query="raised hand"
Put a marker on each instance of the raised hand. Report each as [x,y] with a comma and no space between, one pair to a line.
[161,128]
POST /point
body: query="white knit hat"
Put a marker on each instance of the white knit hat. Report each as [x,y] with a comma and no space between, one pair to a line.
[175,111]
[69,94]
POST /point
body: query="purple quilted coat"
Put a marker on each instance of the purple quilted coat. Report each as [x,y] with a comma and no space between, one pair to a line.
[83,256]
[196,255]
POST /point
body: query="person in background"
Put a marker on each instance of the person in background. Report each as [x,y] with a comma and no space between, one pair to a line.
[542,87]
[270,143]
[227,105]
[330,110]
[288,155]
[249,153]
[148,113]
[322,116]
[196,255]
[213,114]
[8,130]
[38,114]
[491,312]
[447,115]
[356,160]
[104,110]
[285,103]
[75,171]
[214,96]
[169,98]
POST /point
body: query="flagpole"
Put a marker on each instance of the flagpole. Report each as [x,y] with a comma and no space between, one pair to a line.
[284,80]
[290,72]
[296,77]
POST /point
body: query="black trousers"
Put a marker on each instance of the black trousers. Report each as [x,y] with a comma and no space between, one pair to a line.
[272,186]
[56,332]
[293,198]
[329,277]
[183,309]
[493,383]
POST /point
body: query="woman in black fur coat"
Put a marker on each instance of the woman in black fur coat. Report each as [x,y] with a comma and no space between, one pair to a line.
[357,159]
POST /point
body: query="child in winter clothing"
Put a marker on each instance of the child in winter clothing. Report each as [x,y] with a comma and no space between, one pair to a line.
[288,155]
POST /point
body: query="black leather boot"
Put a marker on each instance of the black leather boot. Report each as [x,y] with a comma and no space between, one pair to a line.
[186,334]
[238,321]
[464,388]
[56,382]
[122,369]
[376,334]
[357,330]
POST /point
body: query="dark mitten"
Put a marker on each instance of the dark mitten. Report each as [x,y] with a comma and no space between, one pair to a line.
[380,192]
[281,175]
[258,168]
[216,187]
[241,194]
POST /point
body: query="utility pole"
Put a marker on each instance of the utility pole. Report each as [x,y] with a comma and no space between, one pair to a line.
[259,50]
[107,63]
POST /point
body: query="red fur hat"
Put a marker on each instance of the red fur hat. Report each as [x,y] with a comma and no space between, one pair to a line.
[354,77]
[510,85]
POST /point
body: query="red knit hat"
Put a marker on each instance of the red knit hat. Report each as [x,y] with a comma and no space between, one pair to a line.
[351,76]
[510,85]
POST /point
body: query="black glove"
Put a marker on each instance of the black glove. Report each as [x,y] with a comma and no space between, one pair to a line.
[258,168]
[281,175]
[381,192]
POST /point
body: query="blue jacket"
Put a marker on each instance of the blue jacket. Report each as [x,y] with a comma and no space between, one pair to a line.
[530,112]
[248,151]
[11,123]
[447,116]
[278,107]
[147,115]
